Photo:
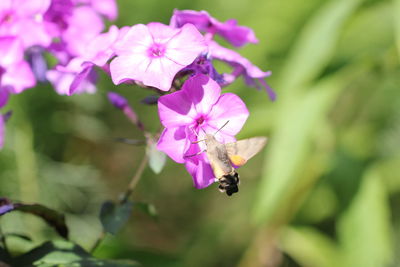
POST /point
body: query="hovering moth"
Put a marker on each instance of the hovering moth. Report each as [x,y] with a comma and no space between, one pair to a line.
[223,158]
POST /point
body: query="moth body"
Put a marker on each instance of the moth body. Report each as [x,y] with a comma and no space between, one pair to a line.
[223,158]
[218,157]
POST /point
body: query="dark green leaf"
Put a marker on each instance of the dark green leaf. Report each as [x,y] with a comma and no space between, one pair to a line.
[66,254]
[114,216]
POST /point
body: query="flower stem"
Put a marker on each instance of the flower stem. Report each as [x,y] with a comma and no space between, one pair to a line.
[135,179]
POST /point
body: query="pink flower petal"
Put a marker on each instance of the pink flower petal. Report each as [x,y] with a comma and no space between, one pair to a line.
[5,5]
[186,46]
[11,50]
[176,110]
[31,7]
[235,34]
[174,142]
[202,91]
[4,95]
[201,172]
[136,41]
[161,33]
[83,25]
[200,19]
[128,67]
[154,54]
[233,57]
[99,50]
[160,73]
[32,33]
[107,8]
[19,77]
[62,81]
[228,108]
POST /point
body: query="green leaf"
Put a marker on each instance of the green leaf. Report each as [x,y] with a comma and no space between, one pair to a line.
[310,248]
[396,12]
[365,229]
[289,146]
[300,111]
[157,158]
[64,254]
[114,216]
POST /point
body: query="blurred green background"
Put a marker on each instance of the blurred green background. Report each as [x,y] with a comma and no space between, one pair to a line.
[324,193]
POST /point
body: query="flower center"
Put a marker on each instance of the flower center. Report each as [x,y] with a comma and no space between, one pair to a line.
[156,50]
[200,120]
[7,18]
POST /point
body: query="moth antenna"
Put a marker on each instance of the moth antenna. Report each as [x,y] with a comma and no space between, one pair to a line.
[193,155]
[221,127]
[203,130]
[195,133]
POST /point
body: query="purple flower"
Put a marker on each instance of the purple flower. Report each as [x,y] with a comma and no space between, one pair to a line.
[252,75]
[203,65]
[154,53]
[121,103]
[37,62]
[5,204]
[107,8]
[197,107]
[98,51]
[235,34]
[25,19]
[117,100]
[83,25]
[15,73]
[62,78]
[4,95]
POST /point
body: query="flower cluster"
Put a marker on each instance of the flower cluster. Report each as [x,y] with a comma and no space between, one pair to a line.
[156,56]
[31,29]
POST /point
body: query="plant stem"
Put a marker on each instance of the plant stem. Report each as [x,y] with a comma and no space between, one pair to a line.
[135,179]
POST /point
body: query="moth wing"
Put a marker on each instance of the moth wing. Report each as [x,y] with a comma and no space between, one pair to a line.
[241,151]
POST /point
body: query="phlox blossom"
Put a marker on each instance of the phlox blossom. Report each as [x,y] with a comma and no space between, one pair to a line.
[79,75]
[252,75]
[15,73]
[187,114]
[232,32]
[25,19]
[153,54]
